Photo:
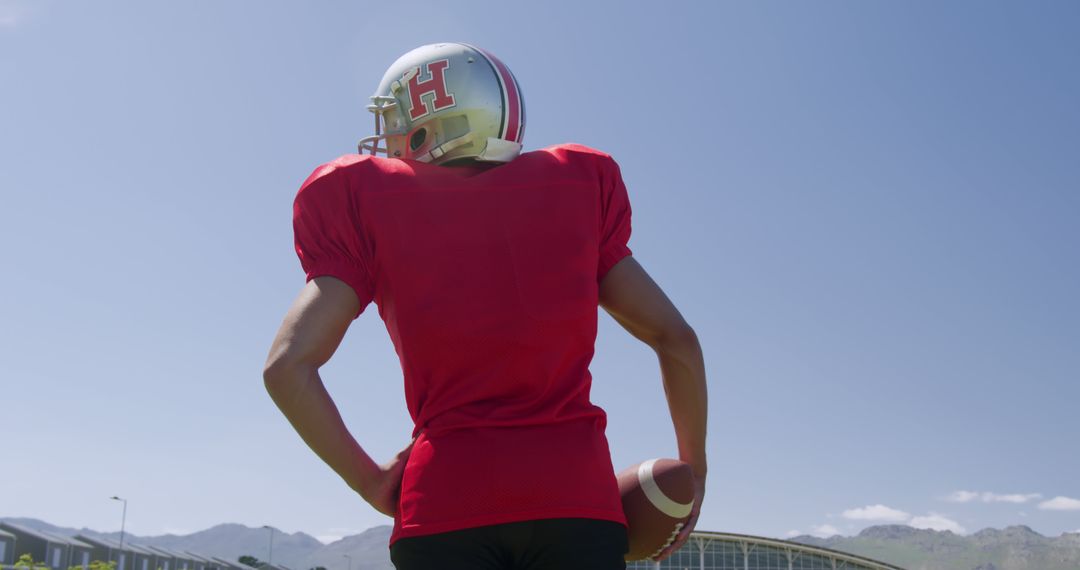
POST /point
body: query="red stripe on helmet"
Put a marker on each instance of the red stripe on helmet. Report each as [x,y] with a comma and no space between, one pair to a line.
[513,98]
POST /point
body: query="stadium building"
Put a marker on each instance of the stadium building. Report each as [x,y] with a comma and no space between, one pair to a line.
[726,551]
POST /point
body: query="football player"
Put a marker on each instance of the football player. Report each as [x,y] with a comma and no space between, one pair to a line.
[487,266]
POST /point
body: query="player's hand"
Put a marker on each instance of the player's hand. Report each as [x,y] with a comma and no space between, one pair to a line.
[384,488]
[684,533]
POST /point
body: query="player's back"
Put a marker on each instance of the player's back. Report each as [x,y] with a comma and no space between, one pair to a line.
[486,278]
[487,281]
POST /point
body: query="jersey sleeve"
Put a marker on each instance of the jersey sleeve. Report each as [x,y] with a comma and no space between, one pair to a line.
[328,234]
[614,218]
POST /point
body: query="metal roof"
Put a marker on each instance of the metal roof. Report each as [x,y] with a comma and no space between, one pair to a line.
[180,554]
[161,551]
[110,543]
[197,557]
[226,563]
[69,540]
[93,541]
[795,546]
[140,549]
[168,552]
[40,535]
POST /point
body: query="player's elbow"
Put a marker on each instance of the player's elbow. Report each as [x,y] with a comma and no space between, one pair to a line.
[280,372]
[675,339]
[273,372]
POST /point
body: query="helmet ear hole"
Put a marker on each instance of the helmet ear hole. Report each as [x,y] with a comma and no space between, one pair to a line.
[417,139]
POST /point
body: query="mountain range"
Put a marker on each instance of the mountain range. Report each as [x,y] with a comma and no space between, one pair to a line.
[1013,548]
[230,541]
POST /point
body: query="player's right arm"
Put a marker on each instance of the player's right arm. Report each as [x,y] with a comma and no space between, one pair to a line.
[637,303]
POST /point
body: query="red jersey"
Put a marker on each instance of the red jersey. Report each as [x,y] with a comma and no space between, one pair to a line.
[487,281]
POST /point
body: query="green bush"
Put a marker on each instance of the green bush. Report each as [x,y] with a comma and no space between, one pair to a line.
[26,562]
[96,565]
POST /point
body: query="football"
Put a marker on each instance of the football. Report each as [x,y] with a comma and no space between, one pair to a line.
[657,496]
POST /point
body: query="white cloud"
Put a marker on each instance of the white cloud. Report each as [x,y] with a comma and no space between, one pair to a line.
[791,533]
[1022,513]
[328,538]
[876,513]
[1060,504]
[962,497]
[824,531]
[988,497]
[995,498]
[935,521]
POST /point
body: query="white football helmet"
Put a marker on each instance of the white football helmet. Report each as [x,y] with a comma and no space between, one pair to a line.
[447,102]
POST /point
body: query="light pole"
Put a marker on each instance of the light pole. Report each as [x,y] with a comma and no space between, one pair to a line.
[123,520]
[350,560]
[271,560]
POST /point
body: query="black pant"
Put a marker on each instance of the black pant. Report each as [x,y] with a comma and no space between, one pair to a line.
[555,544]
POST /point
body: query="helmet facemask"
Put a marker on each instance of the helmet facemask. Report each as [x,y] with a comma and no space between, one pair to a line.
[389,123]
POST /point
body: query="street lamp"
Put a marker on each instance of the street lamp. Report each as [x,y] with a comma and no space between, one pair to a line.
[271,557]
[350,560]
[123,520]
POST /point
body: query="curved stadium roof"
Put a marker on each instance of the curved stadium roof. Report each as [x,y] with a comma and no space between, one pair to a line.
[729,551]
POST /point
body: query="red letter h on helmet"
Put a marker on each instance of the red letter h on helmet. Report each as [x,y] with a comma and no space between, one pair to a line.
[435,84]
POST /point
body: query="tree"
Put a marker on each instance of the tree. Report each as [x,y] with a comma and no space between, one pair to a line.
[250,561]
[27,562]
[97,565]
[318,568]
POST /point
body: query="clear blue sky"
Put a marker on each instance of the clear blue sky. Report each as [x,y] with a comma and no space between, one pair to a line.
[869,212]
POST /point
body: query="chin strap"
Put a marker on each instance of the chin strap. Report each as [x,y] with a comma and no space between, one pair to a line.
[496,150]
[499,150]
[441,150]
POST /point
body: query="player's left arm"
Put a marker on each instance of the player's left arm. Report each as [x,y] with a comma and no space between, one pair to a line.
[312,330]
